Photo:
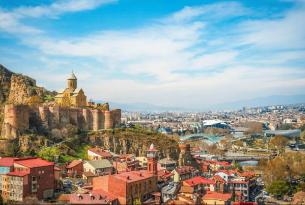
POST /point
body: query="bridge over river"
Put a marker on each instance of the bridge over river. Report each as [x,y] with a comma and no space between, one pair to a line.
[242,158]
[238,157]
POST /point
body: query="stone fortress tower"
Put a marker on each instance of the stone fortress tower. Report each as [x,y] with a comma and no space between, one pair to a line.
[185,157]
[70,107]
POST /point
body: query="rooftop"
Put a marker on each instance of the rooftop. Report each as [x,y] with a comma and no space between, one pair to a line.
[199,180]
[18,173]
[101,152]
[216,195]
[133,176]
[185,169]
[72,76]
[98,164]
[7,161]
[92,198]
[74,163]
[34,162]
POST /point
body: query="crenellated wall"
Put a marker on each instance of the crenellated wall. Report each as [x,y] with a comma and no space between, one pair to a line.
[19,118]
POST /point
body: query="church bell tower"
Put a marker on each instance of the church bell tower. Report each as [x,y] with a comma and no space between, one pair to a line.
[152,160]
[72,81]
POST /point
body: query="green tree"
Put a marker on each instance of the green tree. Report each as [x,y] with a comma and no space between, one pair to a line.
[278,188]
[236,165]
[49,153]
[13,149]
[48,98]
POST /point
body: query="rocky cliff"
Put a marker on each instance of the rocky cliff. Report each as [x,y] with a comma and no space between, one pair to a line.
[135,141]
[17,89]
[5,85]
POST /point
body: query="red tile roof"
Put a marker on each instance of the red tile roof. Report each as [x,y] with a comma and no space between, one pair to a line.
[247,174]
[92,198]
[18,173]
[100,152]
[185,169]
[133,176]
[198,180]
[221,163]
[34,162]
[164,174]
[228,172]
[219,178]
[7,161]
[216,195]
[74,163]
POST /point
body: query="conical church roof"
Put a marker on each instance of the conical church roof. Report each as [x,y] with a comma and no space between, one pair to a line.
[72,76]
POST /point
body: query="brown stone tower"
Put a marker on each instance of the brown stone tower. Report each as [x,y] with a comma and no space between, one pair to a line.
[185,157]
[152,160]
[72,82]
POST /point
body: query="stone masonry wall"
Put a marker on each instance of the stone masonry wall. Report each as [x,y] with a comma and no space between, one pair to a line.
[19,118]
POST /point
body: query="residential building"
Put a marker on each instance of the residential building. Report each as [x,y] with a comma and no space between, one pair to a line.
[97,153]
[134,186]
[167,164]
[215,198]
[98,167]
[170,191]
[75,168]
[183,173]
[124,163]
[30,177]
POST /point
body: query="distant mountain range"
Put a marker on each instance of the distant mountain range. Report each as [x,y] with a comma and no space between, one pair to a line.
[233,105]
[264,101]
[143,107]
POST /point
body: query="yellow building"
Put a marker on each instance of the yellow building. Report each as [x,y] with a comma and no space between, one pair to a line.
[71,96]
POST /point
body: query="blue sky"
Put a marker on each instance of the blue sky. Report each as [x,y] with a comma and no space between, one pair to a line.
[171,53]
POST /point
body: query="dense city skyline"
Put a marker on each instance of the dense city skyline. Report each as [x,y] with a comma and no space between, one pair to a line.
[193,53]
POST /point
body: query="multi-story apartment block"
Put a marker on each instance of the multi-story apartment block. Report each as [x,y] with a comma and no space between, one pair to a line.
[30,177]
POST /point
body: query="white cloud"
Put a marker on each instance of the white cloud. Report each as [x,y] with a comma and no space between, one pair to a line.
[60,7]
[11,24]
[14,21]
[287,31]
[178,55]
[209,11]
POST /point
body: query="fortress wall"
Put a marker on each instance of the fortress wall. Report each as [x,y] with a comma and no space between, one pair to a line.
[88,119]
[116,116]
[95,120]
[64,116]
[108,120]
[54,117]
[17,116]
[74,116]
[102,120]
[44,114]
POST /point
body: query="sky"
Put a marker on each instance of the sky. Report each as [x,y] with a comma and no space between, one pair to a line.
[191,53]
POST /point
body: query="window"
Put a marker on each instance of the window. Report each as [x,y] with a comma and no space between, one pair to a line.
[34,178]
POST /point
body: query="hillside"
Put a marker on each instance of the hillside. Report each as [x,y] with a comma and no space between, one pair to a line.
[120,141]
